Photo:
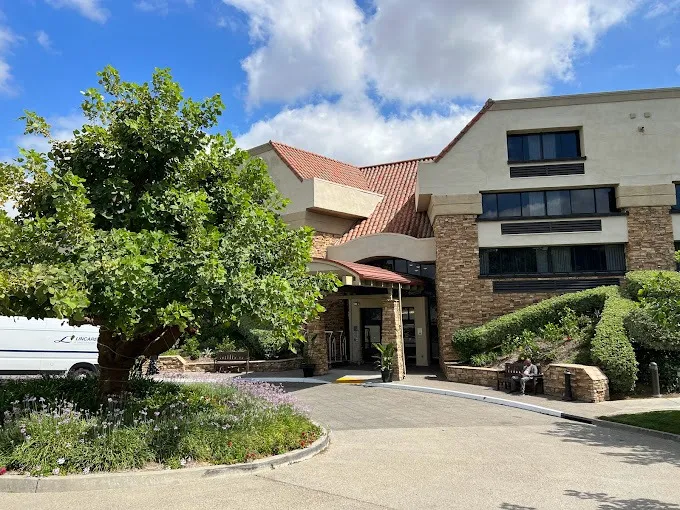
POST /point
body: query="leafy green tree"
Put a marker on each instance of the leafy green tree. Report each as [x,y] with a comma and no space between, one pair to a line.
[144,223]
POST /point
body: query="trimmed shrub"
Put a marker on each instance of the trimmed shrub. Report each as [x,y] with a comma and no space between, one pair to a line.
[470,341]
[642,329]
[611,349]
[637,280]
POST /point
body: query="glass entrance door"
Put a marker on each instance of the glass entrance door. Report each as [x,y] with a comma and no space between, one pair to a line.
[408,320]
[371,333]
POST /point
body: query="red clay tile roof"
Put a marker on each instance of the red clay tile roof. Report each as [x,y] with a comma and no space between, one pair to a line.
[489,103]
[307,165]
[377,274]
[396,212]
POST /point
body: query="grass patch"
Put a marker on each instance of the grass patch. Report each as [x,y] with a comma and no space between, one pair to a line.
[55,426]
[665,421]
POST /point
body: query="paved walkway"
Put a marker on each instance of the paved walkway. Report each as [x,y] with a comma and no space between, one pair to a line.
[403,449]
[433,378]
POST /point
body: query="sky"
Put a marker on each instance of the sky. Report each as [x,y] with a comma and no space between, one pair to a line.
[363,81]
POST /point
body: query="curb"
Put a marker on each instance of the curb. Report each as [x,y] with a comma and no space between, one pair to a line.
[281,380]
[531,408]
[135,479]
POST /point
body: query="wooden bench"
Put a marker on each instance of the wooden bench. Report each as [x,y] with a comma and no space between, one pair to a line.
[517,370]
[232,358]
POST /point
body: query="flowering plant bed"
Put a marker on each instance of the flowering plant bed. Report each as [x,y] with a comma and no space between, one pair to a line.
[56,426]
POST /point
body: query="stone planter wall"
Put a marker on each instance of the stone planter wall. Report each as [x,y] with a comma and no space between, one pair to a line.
[179,364]
[480,376]
[588,383]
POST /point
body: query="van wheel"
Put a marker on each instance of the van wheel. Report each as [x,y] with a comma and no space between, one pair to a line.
[81,372]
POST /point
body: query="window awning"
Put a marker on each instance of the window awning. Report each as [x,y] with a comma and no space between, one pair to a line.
[353,273]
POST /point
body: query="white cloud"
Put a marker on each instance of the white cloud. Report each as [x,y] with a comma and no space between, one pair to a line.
[302,47]
[9,208]
[482,48]
[44,40]
[663,8]
[62,129]
[91,9]
[664,42]
[677,69]
[160,6]
[437,51]
[353,130]
[7,39]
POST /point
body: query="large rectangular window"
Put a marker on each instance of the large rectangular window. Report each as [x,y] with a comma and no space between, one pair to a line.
[536,204]
[552,260]
[676,207]
[544,146]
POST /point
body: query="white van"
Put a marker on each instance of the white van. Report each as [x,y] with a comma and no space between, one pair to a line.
[48,346]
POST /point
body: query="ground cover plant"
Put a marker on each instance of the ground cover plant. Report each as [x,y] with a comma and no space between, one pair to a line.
[57,426]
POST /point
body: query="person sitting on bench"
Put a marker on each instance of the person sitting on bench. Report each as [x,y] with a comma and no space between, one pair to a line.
[529,372]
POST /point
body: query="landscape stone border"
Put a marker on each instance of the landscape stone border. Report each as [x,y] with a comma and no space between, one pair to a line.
[132,479]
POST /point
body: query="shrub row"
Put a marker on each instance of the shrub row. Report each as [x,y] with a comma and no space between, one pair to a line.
[611,349]
[637,280]
[470,341]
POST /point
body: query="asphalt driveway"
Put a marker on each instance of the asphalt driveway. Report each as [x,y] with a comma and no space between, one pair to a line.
[401,449]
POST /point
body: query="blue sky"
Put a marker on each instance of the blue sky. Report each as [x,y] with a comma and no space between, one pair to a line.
[366,81]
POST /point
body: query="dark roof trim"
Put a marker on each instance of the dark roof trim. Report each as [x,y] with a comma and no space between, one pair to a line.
[489,103]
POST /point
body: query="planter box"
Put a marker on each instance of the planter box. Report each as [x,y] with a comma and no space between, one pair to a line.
[179,364]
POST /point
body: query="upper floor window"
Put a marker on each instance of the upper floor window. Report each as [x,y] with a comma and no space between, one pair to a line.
[532,204]
[544,146]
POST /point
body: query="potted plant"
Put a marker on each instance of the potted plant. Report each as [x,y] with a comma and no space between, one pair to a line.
[308,365]
[386,361]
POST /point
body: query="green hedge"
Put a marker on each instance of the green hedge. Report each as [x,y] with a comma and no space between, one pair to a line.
[642,329]
[611,349]
[636,280]
[470,341]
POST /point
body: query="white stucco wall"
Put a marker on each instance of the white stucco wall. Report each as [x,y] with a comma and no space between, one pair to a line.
[616,151]
[317,194]
[385,245]
[345,200]
[614,231]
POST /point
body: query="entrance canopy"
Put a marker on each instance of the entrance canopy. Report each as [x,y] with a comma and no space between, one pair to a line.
[363,275]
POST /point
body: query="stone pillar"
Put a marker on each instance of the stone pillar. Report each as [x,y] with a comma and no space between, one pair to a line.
[650,238]
[460,293]
[316,347]
[393,333]
[321,242]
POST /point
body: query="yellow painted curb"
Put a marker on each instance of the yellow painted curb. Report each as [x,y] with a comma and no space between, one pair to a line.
[354,380]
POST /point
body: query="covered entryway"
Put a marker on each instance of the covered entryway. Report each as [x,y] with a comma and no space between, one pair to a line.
[366,310]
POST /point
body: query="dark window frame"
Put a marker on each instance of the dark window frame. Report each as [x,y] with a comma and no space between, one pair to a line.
[498,217]
[541,134]
[509,255]
[676,208]
[412,268]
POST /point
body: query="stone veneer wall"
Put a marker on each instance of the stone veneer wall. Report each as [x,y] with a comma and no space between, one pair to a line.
[392,333]
[479,376]
[650,238]
[464,299]
[317,348]
[588,383]
[179,364]
[334,316]
[321,242]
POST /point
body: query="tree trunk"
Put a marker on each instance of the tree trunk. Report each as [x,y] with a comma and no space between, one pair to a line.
[117,356]
[115,363]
